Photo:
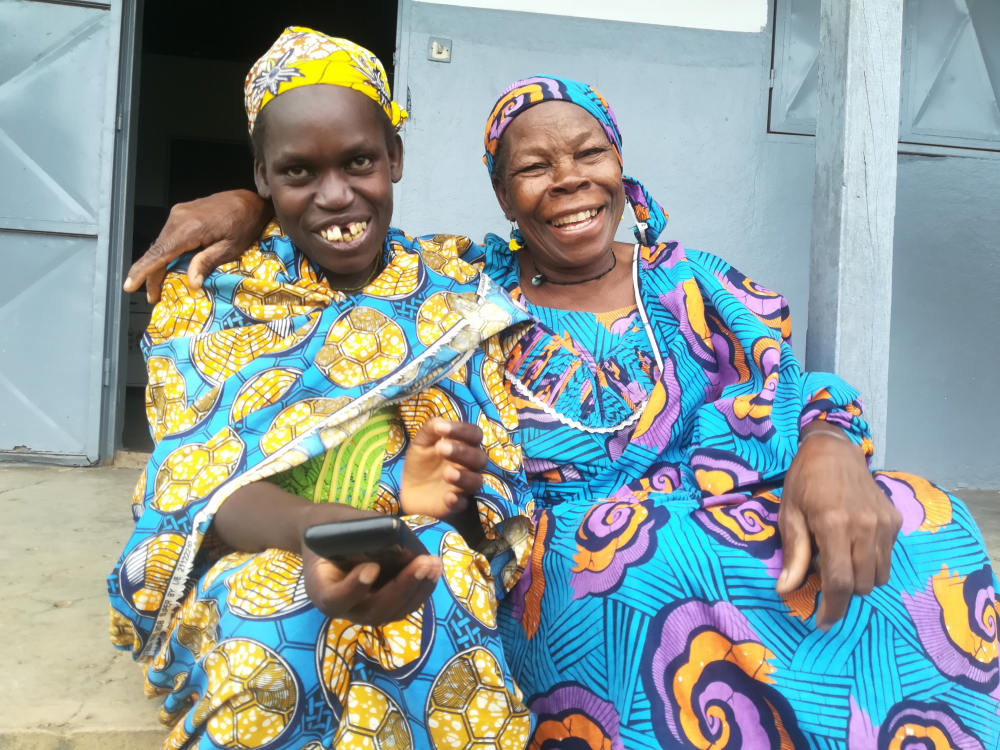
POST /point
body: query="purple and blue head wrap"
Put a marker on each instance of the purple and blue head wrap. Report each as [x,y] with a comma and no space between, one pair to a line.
[526,93]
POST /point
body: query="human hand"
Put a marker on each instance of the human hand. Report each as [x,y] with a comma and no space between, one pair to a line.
[224,225]
[348,595]
[442,467]
[830,497]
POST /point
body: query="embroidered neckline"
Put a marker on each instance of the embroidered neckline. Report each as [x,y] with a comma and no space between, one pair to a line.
[525,392]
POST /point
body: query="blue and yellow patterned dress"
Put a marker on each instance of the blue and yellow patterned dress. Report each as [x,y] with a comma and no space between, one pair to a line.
[268,374]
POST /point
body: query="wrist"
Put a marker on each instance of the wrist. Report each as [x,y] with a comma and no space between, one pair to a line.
[821,427]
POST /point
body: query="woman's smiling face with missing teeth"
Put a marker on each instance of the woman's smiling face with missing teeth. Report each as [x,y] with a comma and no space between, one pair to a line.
[328,169]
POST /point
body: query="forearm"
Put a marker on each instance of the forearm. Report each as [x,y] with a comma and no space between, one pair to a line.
[262,516]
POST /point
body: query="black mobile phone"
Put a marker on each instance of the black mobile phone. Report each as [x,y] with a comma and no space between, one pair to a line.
[385,540]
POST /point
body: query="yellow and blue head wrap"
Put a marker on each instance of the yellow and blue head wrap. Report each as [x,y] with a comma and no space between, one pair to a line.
[303,57]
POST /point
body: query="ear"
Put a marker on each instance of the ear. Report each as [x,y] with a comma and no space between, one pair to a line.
[396,158]
[503,197]
[260,177]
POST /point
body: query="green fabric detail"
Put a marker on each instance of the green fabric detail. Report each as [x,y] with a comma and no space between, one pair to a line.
[348,473]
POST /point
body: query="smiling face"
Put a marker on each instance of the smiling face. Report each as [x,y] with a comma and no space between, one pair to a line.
[562,182]
[326,165]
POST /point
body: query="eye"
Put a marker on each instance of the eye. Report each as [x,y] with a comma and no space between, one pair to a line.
[296,173]
[592,152]
[529,168]
[361,162]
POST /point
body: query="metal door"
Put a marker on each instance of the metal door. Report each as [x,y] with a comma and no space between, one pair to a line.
[58,94]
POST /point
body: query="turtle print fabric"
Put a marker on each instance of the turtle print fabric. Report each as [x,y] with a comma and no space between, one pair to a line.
[253,377]
[647,616]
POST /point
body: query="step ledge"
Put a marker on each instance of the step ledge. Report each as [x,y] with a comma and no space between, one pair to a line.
[82,739]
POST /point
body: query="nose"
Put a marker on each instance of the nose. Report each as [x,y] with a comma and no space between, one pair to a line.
[568,178]
[334,192]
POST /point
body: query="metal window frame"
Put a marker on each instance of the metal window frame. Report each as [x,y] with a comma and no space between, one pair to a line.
[921,144]
[122,194]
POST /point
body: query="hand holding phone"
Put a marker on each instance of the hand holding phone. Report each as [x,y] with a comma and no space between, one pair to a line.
[384,540]
[355,588]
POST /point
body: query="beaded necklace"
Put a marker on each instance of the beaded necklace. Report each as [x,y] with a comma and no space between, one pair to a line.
[526,392]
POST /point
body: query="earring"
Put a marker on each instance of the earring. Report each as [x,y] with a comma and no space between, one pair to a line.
[516,240]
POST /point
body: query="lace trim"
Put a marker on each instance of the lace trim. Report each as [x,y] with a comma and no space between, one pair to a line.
[637,413]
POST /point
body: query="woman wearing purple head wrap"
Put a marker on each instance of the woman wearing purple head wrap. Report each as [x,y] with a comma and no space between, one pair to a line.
[683,469]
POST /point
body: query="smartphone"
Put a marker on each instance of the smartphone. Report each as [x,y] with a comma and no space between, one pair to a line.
[385,540]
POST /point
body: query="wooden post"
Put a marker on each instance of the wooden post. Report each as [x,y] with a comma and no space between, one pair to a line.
[854,204]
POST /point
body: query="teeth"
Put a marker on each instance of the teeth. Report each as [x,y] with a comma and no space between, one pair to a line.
[344,234]
[574,218]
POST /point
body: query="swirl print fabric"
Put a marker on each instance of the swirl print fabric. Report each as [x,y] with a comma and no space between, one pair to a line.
[252,377]
[647,615]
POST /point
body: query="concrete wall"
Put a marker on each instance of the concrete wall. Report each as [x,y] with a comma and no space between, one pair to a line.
[692,105]
[724,15]
[944,368]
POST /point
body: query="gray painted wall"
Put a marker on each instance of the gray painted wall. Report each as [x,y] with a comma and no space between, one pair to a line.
[692,106]
[944,364]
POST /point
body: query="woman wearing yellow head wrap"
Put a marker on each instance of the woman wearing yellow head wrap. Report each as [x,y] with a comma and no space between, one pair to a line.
[316,363]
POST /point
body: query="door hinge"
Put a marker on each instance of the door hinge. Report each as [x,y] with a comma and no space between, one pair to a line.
[107,371]
[120,118]
[770,79]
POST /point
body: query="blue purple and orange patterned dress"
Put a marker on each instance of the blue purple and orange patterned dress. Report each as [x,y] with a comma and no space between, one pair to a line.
[648,615]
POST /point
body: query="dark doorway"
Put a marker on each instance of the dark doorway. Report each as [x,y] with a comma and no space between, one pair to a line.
[192,134]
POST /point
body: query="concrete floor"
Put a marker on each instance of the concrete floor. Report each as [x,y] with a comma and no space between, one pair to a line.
[63,684]
[64,687]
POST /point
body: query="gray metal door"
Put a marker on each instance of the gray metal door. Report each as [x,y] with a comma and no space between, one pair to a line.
[58,92]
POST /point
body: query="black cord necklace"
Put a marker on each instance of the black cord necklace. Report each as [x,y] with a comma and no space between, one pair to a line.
[540,278]
[375,272]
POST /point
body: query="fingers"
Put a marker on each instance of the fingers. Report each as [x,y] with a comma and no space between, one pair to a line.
[864,565]
[796,549]
[455,502]
[836,575]
[213,256]
[464,481]
[332,591]
[430,432]
[466,455]
[179,235]
[231,220]
[464,432]
[402,595]
[439,428]
[157,257]
[154,284]
[883,562]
